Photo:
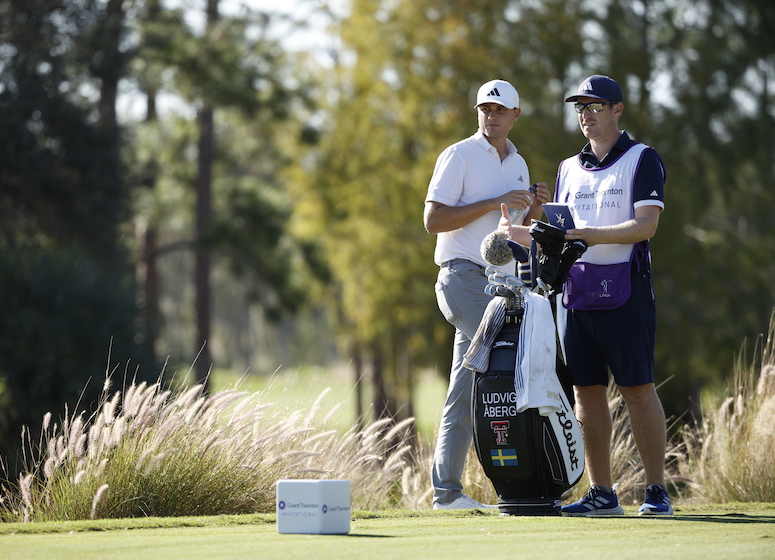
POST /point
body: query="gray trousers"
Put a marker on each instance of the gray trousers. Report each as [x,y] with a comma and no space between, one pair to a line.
[461,298]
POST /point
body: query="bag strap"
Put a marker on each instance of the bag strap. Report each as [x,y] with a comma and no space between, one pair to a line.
[641,257]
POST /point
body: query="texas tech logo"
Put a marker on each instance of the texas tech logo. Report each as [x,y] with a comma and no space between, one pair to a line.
[501,429]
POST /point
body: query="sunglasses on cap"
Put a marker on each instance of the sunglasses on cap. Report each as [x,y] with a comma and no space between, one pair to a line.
[594,107]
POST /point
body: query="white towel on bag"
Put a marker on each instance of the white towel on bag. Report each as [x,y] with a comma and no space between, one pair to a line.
[535,378]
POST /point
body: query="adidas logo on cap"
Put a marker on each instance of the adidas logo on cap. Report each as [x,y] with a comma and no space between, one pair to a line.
[598,87]
[498,91]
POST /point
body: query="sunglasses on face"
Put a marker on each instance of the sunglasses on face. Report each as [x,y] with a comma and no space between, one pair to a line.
[594,107]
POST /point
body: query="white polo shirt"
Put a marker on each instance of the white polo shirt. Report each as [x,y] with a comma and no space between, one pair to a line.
[467,172]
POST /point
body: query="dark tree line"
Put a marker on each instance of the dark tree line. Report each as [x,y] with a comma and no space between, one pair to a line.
[81,226]
[68,291]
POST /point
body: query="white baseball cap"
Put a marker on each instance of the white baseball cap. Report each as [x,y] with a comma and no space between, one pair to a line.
[500,92]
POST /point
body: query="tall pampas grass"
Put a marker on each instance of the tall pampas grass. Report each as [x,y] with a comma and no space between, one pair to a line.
[729,453]
[148,451]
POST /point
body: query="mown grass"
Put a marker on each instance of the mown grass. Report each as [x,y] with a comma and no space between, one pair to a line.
[764,512]
[742,531]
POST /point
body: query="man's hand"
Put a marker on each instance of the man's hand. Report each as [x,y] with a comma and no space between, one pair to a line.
[642,226]
[439,218]
[542,195]
[518,199]
[515,232]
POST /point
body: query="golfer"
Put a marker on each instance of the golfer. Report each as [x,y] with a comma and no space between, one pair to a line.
[474,182]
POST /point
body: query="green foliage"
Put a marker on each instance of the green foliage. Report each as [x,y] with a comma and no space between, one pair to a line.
[71,299]
[233,63]
[400,100]
[713,252]
[236,68]
[66,321]
[59,163]
[251,232]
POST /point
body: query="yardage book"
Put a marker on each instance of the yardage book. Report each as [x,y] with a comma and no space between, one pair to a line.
[559,215]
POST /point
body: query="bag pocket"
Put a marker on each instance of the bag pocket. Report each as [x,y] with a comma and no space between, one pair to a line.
[597,286]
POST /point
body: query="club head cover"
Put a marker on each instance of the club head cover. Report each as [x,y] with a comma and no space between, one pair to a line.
[550,239]
[571,251]
[520,253]
[528,271]
[495,249]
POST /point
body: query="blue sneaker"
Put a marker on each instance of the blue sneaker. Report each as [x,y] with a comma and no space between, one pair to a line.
[596,502]
[657,501]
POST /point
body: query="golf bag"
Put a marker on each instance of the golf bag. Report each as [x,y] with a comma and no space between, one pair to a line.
[530,459]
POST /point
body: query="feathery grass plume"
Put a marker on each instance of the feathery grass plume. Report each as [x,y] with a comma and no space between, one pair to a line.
[728,454]
[374,459]
[96,500]
[150,452]
[25,487]
[416,487]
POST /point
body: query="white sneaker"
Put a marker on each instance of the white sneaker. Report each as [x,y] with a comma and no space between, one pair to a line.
[463,502]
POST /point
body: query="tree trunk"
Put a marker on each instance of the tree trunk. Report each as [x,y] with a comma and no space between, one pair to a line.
[381,401]
[358,385]
[151,284]
[106,44]
[405,379]
[203,216]
[149,274]
[202,264]
[109,72]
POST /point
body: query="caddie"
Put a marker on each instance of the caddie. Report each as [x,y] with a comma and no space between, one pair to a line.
[615,189]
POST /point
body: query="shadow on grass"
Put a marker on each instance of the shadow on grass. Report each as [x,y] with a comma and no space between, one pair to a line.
[363,535]
[727,518]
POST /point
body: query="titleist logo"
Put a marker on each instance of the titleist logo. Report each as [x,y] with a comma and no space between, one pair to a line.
[570,442]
